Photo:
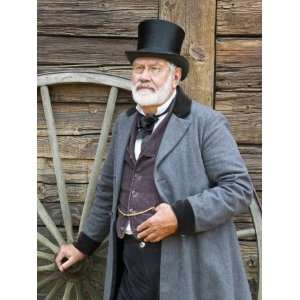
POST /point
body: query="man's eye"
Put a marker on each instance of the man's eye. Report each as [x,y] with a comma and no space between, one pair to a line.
[138,69]
[155,69]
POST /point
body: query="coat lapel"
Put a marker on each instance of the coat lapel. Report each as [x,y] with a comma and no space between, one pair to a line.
[121,143]
[174,132]
[177,126]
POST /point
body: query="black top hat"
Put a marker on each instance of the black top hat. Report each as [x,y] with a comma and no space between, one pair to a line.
[163,39]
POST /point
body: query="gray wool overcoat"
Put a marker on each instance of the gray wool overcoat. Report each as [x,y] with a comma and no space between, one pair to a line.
[198,160]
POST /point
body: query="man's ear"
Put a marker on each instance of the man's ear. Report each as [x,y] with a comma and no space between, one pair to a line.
[177,76]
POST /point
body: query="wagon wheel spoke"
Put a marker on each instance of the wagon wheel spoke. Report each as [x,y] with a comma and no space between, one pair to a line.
[47,268]
[79,293]
[45,242]
[55,289]
[49,223]
[99,258]
[45,255]
[101,251]
[106,125]
[66,213]
[46,280]
[68,289]
[91,290]
[245,233]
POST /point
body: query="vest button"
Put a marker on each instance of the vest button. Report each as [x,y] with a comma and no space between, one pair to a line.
[142,244]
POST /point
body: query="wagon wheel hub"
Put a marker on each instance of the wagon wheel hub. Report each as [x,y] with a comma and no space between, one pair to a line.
[79,271]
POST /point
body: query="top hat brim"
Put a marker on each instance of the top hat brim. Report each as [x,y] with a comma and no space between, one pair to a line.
[174,58]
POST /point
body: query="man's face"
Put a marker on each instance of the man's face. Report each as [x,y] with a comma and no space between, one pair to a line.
[153,80]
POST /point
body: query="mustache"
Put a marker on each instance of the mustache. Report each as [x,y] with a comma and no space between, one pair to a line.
[144,86]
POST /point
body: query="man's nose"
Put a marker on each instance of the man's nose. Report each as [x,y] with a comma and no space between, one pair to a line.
[145,75]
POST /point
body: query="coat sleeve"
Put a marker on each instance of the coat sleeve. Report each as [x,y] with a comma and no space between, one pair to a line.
[231,187]
[97,224]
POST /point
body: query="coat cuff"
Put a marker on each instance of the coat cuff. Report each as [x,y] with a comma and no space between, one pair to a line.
[185,216]
[85,244]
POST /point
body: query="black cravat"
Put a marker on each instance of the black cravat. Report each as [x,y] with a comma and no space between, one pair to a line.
[146,123]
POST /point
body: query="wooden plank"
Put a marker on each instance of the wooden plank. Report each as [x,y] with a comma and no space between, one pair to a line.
[103,5]
[49,193]
[91,51]
[238,65]
[75,170]
[76,118]
[199,45]
[239,17]
[253,159]
[252,156]
[84,93]
[243,220]
[79,147]
[243,111]
[239,79]
[122,71]
[238,53]
[94,18]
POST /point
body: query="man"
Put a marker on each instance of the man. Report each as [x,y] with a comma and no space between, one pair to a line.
[172,181]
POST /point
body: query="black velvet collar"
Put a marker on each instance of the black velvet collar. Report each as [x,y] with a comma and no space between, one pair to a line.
[182,106]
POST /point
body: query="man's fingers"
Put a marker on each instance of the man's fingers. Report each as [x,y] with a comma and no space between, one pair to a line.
[144,225]
[145,233]
[61,258]
[151,237]
[68,263]
[58,259]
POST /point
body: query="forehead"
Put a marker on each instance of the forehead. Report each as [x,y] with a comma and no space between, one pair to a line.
[149,61]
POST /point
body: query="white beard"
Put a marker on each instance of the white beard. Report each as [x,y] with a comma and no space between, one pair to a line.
[145,97]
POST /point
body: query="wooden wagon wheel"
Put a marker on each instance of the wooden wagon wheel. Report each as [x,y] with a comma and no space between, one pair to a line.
[80,281]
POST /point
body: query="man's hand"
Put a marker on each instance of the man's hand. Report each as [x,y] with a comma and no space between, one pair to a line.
[69,252]
[162,224]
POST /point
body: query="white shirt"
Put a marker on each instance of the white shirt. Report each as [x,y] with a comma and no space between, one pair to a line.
[138,143]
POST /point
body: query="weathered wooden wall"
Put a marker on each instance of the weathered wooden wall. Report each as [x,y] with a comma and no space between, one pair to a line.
[238,82]
[92,35]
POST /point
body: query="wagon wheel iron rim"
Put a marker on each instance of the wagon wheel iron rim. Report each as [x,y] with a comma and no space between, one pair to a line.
[77,279]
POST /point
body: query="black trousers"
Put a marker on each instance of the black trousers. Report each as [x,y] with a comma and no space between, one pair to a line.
[140,278]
